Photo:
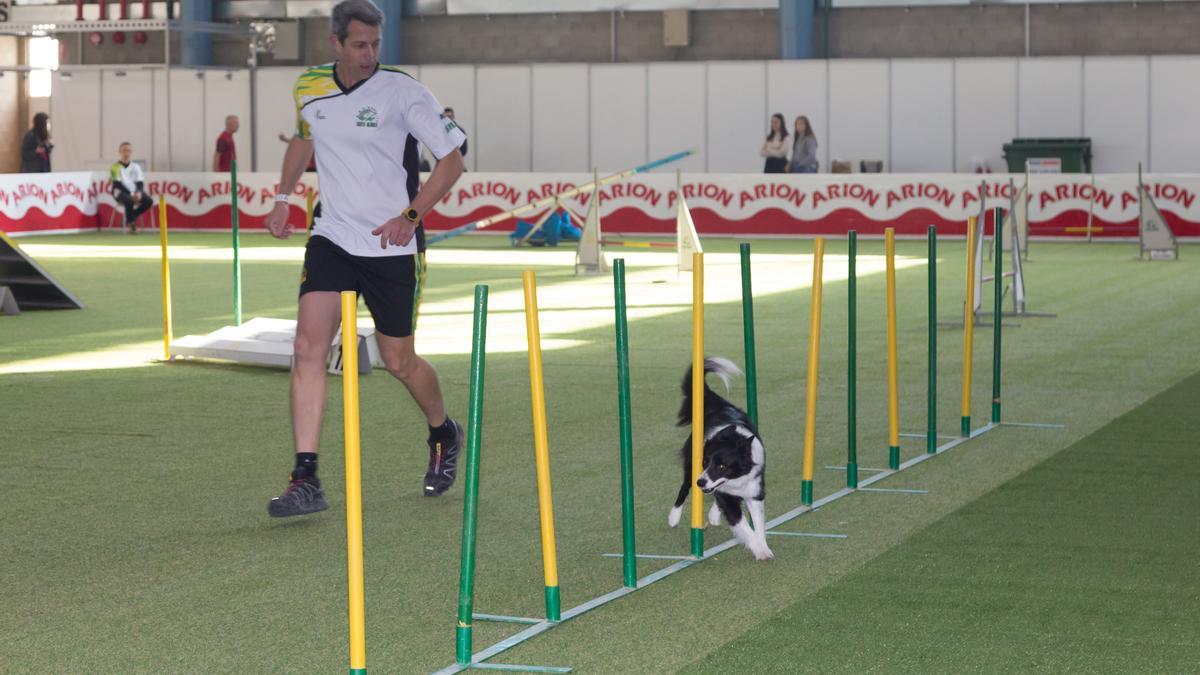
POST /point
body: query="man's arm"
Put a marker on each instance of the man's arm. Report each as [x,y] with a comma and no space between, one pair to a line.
[400,230]
[216,163]
[295,160]
[445,173]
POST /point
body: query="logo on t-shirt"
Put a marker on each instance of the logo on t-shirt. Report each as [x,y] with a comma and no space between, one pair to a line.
[368,117]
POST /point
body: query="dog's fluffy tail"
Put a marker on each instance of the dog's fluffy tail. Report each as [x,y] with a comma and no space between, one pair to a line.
[722,368]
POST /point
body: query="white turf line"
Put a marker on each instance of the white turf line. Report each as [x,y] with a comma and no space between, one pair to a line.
[534,631]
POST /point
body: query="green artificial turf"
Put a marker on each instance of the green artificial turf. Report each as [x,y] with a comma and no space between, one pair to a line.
[1084,563]
[135,537]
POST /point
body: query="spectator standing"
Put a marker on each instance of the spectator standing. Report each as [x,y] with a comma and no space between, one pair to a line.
[129,186]
[226,151]
[775,147]
[36,146]
[804,148]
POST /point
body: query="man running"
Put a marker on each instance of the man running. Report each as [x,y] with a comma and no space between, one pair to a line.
[365,122]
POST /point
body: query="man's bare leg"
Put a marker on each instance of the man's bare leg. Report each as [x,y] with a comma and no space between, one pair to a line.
[317,321]
[415,373]
[421,380]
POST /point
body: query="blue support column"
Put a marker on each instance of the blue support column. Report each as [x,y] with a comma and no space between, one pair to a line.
[195,49]
[796,29]
[393,11]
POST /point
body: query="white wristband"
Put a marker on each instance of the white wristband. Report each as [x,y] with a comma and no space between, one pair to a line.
[281,198]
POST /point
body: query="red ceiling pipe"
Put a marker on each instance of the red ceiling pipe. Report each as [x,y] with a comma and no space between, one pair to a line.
[145,9]
[104,10]
[124,9]
[79,10]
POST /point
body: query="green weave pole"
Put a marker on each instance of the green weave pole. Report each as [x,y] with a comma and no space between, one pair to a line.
[748,338]
[629,558]
[851,364]
[237,256]
[466,579]
[931,425]
[998,282]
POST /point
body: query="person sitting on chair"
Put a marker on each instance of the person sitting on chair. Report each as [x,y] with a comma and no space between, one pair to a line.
[129,186]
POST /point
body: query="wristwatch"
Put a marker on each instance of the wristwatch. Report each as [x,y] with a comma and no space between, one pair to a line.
[412,214]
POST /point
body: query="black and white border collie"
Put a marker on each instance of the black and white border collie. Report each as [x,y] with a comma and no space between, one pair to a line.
[734,462]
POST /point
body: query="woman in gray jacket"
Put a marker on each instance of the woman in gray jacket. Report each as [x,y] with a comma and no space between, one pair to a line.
[804,148]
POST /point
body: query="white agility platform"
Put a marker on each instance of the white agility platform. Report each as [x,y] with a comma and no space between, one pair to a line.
[262,342]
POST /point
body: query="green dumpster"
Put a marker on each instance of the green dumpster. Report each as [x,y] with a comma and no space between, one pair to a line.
[1075,154]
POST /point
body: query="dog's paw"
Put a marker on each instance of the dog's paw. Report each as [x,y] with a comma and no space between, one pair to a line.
[673,518]
[763,553]
[714,515]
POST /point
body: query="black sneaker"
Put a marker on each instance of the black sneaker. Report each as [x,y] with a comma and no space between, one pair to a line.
[443,463]
[303,495]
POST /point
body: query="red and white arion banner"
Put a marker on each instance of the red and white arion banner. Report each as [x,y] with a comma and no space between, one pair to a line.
[727,204]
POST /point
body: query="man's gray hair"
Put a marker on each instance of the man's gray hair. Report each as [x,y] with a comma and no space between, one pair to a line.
[353,10]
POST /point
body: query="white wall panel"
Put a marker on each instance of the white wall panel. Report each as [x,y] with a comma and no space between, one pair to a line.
[560,110]
[797,88]
[618,116]
[858,111]
[127,114]
[1116,111]
[738,119]
[1050,94]
[503,140]
[75,121]
[922,126]
[1174,100]
[985,113]
[454,87]
[676,112]
[227,93]
[276,115]
[188,149]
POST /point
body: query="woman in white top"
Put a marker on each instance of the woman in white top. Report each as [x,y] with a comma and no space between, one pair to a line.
[775,147]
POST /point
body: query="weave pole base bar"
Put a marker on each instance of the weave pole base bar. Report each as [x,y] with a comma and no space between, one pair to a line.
[504,618]
[648,556]
[511,668]
[1033,425]
[861,468]
[907,491]
[814,535]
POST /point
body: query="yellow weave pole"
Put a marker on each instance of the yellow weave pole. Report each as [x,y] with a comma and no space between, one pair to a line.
[308,213]
[354,536]
[814,355]
[168,325]
[889,248]
[541,447]
[697,402]
[968,329]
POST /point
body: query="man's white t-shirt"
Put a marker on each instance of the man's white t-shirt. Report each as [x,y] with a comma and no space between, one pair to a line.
[367,140]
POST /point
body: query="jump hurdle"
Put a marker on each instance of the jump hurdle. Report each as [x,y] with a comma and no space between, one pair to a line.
[590,260]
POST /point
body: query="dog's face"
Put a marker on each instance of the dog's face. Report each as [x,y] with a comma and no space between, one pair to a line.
[728,456]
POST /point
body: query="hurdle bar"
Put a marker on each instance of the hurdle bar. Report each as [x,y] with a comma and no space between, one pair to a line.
[547,201]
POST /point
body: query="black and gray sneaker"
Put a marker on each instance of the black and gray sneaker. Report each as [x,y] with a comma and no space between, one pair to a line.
[303,495]
[443,463]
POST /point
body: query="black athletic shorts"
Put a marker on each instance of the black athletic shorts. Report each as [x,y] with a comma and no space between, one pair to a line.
[390,285]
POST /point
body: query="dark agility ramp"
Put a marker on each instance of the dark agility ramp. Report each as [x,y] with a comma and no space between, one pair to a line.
[24,285]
